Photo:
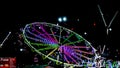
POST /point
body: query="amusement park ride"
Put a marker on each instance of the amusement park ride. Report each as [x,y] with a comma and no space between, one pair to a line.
[63,46]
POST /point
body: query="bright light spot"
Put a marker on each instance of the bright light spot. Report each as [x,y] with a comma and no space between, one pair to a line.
[110,29]
[21,49]
[60,19]
[85,33]
[64,19]
[39,27]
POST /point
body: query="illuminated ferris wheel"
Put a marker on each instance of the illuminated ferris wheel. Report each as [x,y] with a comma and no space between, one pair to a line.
[57,43]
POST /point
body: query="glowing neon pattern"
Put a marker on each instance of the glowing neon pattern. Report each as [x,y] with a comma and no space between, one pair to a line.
[57,43]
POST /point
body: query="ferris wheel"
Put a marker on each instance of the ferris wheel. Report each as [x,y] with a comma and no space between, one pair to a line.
[58,43]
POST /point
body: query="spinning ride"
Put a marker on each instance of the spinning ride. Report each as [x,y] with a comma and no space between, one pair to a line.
[57,43]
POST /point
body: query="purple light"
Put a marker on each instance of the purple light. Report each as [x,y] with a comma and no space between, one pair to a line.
[73,53]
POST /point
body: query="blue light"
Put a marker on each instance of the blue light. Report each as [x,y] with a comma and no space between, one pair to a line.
[64,19]
[60,19]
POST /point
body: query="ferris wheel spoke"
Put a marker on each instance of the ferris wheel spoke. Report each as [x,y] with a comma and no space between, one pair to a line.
[80,47]
[38,44]
[35,35]
[51,53]
[43,49]
[34,39]
[68,37]
[60,35]
[40,39]
[57,59]
[39,32]
[73,42]
[47,34]
[53,35]
[47,45]
[83,56]
[72,58]
[84,52]
[66,59]
[78,58]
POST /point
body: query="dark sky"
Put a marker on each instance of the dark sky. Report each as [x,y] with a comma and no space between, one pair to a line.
[22,12]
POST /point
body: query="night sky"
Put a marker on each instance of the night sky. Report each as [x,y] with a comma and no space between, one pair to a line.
[82,17]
